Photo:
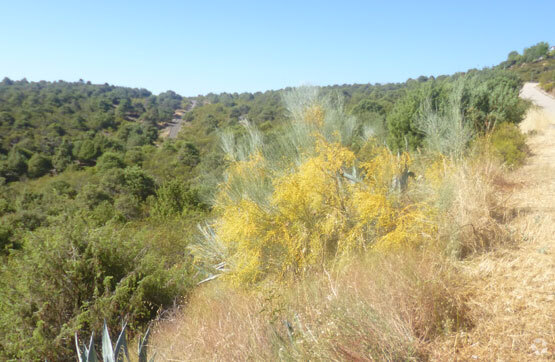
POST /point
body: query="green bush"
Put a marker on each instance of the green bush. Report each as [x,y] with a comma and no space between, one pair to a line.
[138,182]
[548,87]
[85,151]
[38,165]
[402,121]
[92,195]
[109,160]
[73,277]
[509,144]
[5,237]
[16,163]
[547,81]
[128,207]
[175,198]
[5,206]
[491,97]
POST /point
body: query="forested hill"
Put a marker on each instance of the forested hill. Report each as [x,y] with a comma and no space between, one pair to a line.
[48,126]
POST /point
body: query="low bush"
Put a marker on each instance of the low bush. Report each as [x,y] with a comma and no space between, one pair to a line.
[509,144]
[73,277]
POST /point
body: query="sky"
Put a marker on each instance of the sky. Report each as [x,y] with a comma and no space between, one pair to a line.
[197,47]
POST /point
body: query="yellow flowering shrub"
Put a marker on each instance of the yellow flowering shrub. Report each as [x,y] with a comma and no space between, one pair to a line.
[314,115]
[313,213]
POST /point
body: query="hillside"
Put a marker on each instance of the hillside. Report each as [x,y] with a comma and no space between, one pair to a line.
[328,222]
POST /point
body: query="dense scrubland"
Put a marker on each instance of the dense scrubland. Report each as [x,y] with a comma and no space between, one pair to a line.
[321,223]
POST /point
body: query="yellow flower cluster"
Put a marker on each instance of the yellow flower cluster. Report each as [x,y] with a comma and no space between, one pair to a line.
[314,115]
[315,214]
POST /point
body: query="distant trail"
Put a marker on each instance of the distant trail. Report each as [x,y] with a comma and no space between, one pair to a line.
[175,125]
[532,92]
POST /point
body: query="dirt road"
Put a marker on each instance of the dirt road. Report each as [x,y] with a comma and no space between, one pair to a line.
[173,128]
[513,288]
[532,92]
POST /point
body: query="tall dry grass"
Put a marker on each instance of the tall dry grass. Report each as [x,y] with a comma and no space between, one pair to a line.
[480,208]
[383,306]
[536,120]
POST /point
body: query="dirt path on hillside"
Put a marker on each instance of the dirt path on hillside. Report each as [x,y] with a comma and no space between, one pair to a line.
[513,288]
[532,92]
[174,126]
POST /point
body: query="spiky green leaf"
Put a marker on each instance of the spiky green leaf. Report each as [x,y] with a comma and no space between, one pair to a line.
[107,349]
[143,346]
[121,345]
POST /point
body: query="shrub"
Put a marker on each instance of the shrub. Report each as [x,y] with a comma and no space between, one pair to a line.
[86,150]
[491,97]
[174,198]
[62,158]
[92,195]
[6,205]
[5,238]
[62,188]
[305,201]
[402,121]
[482,99]
[189,155]
[73,278]
[138,182]
[38,165]
[28,219]
[109,160]
[134,156]
[509,144]
[127,206]
[16,163]
[446,132]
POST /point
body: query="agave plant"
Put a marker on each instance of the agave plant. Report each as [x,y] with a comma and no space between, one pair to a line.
[111,353]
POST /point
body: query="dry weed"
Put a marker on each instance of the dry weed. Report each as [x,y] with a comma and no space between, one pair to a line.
[536,120]
[383,307]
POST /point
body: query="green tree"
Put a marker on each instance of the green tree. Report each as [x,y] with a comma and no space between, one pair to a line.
[17,162]
[109,160]
[85,151]
[402,122]
[38,165]
[123,108]
[536,51]
[5,238]
[63,156]
[138,182]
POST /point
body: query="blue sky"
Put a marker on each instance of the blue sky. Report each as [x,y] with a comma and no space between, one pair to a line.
[214,46]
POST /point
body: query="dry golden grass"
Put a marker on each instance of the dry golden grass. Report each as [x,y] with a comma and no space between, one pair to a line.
[383,307]
[536,120]
[513,290]
[496,302]
[480,207]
